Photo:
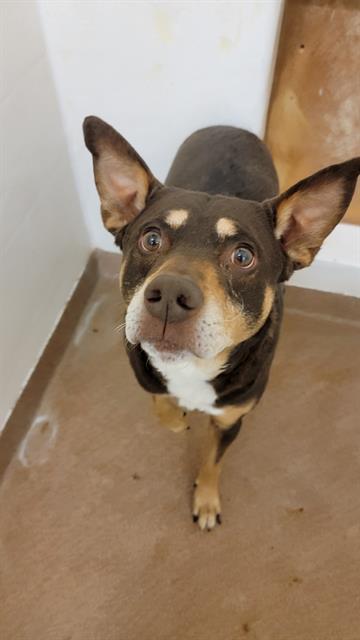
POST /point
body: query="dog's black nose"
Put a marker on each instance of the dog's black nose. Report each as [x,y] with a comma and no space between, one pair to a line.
[172,297]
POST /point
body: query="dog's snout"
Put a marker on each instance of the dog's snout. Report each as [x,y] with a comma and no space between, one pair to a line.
[172,297]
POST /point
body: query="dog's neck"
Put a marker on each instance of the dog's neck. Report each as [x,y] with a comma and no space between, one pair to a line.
[188,378]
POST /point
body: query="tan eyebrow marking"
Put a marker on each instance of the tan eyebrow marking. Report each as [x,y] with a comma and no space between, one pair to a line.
[176,218]
[225,228]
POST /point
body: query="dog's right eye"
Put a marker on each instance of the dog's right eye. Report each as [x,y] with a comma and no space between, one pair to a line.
[151,241]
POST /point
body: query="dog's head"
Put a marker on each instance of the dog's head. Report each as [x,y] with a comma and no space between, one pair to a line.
[199,272]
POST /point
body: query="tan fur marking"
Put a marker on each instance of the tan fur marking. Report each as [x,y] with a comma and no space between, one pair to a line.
[235,322]
[121,273]
[206,502]
[267,304]
[238,326]
[233,413]
[176,218]
[225,228]
[174,264]
[169,414]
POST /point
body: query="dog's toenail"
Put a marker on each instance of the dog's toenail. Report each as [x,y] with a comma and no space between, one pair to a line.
[218,518]
[195,518]
[188,428]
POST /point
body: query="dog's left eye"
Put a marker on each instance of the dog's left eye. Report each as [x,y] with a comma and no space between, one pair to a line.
[243,257]
[151,241]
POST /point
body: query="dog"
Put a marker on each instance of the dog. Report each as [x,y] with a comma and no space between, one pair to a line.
[205,256]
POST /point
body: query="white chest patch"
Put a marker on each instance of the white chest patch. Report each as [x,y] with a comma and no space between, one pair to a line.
[187,381]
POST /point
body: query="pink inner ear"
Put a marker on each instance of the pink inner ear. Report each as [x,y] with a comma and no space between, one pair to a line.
[293,231]
[314,214]
[129,200]
[125,187]
[121,188]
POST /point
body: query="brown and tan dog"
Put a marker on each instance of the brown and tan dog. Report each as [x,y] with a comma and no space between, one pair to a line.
[204,257]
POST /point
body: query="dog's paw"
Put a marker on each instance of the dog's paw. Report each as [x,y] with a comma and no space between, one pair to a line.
[170,415]
[206,505]
[177,426]
[176,422]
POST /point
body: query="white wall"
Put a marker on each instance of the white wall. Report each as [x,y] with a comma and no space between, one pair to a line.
[337,266]
[157,72]
[44,241]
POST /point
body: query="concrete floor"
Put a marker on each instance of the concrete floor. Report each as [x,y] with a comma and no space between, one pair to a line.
[97,541]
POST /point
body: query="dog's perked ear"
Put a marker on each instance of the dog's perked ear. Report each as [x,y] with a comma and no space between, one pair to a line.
[123,180]
[307,212]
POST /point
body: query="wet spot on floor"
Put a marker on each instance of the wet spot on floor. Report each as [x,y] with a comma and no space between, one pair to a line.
[38,442]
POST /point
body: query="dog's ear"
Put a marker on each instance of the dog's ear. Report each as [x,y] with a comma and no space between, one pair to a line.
[307,212]
[123,180]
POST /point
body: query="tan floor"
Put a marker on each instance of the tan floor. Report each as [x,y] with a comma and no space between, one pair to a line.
[97,542]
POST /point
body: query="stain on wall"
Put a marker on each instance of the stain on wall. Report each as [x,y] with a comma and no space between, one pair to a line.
[314,114]
[162,23]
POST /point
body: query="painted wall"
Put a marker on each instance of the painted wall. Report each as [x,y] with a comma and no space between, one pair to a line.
[157,72]
[43,240]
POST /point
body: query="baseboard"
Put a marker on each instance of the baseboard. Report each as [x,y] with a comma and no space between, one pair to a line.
[26,406]
[337,266]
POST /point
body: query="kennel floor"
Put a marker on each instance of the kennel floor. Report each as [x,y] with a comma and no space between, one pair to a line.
[96,536]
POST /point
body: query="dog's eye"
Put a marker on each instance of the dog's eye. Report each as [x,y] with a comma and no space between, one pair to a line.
[243,257]
[151,241]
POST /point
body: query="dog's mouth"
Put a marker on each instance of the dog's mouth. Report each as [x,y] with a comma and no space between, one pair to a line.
[164,345]
[168,347]
[166,351]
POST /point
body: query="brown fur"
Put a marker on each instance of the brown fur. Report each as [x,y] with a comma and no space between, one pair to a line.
[169,414]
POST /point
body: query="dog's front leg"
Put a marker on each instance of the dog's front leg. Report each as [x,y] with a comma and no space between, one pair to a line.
[169,414]
[224,429]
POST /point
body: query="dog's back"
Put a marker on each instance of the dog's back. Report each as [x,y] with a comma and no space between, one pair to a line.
[225,160]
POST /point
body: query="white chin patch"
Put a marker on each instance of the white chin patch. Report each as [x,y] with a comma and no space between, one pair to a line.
[165,356]
[186,379]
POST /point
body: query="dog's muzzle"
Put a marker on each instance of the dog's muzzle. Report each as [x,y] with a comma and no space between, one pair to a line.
[173,298]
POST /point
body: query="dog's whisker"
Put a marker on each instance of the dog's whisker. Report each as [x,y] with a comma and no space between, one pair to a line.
[120,327]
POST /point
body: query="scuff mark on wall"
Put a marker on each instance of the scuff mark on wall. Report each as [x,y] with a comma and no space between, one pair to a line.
[225,43]
[163,25]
